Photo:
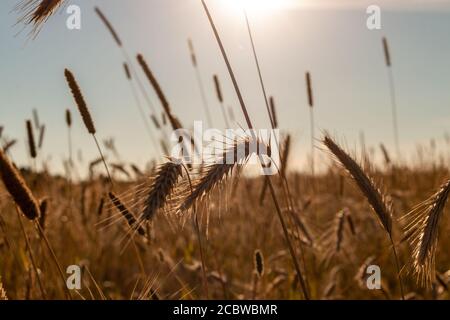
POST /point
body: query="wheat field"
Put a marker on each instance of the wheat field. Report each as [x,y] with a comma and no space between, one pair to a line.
[174,230]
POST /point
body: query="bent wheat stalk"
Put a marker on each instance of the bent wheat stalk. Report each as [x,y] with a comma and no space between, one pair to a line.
[381,204]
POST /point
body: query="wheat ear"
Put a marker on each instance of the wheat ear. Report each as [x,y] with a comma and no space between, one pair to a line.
[422,226]
[18,189]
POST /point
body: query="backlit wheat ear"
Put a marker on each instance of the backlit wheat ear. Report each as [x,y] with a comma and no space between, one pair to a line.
[18,189]
[79,99]
[422,226]
[259,263]
[165,181]
[31,143]
[131,220]
[37,12]
[216,173]
[379,202]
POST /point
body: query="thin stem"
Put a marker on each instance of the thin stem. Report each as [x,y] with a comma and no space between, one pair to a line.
[33,261]
[103,160]
[225,117]
[143,116]
[55,260]
[197,229]
[397,263]
[250,126]
[311,117]
[263,88]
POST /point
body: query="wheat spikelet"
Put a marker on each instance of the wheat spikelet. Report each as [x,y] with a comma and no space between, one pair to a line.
[31,143]
[163,185]
[79,99]
[37,12]
[126,213]
[379,202]
[18,189]
[258,263]
[108,26]
[217,172]
[422,227]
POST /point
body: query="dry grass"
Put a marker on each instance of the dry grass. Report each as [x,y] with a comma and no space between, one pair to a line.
[316,232]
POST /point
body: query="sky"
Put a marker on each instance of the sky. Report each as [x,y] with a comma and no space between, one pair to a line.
[327,38]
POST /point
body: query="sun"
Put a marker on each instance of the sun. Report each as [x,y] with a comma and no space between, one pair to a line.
[260,6]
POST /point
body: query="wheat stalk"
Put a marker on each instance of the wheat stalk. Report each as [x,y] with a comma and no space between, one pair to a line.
[387,57]
[85,114]
[381,204]
[422,227]
[250,126]
[18,188]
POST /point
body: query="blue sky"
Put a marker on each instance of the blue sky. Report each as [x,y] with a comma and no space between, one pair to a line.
[328,38]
